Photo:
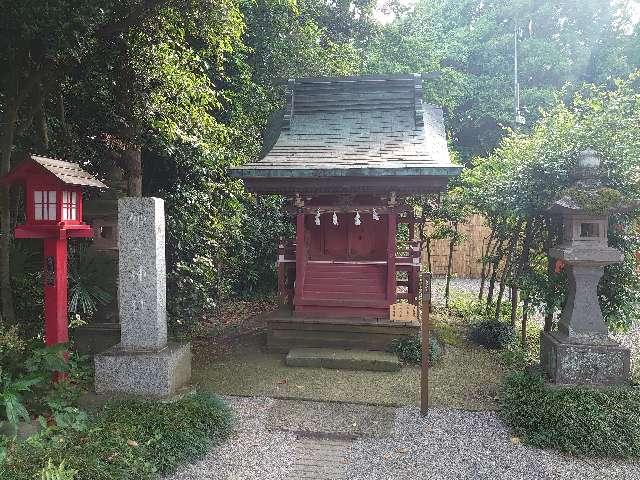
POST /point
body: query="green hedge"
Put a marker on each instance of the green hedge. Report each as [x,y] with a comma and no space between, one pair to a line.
[409,349]
[579,420]
[128,440]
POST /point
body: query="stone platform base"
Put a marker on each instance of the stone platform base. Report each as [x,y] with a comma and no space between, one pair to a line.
[568,361]
[343,359]
[154,374]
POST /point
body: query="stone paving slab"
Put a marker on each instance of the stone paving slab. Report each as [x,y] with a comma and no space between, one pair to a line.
[340,420]
[320,458]
[343,359]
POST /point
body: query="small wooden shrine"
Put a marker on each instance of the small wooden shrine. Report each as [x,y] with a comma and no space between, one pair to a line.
[347,154]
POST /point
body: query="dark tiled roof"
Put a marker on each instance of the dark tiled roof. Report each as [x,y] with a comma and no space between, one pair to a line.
[356,126]
[67,172]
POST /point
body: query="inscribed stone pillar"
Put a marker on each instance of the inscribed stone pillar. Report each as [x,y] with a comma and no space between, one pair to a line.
[143,363]
[142,285]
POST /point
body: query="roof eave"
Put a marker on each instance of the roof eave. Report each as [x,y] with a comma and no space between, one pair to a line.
[248,172]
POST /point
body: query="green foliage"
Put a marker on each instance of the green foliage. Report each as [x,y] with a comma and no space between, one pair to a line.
[409,349]
[11,392]
[597,201]
[90,279]
[523,176]
[57,472]
[27,388]
[491,334]
[469,46]
[585,421]
[127,440]
[466,305]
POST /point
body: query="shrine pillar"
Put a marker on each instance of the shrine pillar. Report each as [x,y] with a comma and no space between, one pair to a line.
[391,257]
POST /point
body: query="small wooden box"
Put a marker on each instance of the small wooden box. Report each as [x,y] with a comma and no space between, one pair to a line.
[403,312]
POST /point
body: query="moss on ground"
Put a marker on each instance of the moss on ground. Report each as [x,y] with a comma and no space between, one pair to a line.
[466,377]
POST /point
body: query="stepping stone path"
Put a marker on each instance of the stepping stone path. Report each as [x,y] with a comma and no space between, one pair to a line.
[320,457]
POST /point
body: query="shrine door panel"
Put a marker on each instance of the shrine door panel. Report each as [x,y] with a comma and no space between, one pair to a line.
[335,237]
[369,239]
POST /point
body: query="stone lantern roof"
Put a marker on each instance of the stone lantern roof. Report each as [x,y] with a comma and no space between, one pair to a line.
[588,194]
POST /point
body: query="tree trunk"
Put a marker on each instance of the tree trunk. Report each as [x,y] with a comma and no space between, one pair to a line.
[452,245]
[495,264]
[523,267]
[132,157]
[525,317]
[41,118]
[549,310]
[485,262]
[428,248]
[508,267]
[9,120]
[514,306]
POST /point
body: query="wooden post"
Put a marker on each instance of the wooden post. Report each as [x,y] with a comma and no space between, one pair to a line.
[424,374]
[282,287]
[56,329]
[300,256]
[414,274]
[391,259]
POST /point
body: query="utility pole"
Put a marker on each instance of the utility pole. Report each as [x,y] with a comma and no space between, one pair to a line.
[518,118]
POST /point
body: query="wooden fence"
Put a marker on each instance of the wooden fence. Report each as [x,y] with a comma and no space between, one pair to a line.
[466,255]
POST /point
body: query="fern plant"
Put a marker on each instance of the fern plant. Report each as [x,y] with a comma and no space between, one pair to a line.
[57,472]
[11,397]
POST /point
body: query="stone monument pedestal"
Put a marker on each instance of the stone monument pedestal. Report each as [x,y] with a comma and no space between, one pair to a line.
[143,363]
[157,374]
[584,361]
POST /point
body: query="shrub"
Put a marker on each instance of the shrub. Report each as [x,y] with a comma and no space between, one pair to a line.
[578,420]
[132,439]
[409,349]
[491,334]
[466,305]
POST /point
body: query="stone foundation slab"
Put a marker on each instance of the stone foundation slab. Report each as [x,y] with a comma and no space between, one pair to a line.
[152,374]
[569,361]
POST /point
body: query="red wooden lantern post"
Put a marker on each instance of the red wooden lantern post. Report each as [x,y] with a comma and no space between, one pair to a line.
[53,200]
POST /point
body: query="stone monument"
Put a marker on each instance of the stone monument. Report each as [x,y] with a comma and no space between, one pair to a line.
[580,352]
[143,363]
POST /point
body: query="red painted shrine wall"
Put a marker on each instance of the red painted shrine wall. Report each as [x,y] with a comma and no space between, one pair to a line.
[346,241]
[345,267]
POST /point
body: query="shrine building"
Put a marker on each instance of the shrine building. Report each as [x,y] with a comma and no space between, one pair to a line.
[347,153]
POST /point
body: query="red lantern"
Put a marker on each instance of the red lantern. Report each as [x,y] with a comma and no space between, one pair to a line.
[53,198]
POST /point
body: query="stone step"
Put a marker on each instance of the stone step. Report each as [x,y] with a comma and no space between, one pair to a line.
[342,359]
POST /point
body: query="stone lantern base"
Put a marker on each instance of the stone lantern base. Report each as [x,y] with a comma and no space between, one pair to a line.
[595,361]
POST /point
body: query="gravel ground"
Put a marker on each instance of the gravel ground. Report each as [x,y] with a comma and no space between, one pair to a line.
[252,452]
[458,444]
[448,444]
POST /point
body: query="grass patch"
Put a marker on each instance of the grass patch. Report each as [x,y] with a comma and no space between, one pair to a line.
[129,439]
[578,420]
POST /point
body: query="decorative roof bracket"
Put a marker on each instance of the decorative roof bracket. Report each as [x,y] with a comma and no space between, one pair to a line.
[288,110]
[417,97]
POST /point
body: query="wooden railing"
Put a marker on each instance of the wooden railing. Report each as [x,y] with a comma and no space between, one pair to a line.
[411,265]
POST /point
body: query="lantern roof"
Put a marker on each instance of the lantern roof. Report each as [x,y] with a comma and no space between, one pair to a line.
[66,172]
[354,131]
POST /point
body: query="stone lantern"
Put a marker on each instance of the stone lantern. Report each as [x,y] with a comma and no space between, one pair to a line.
[580,351]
